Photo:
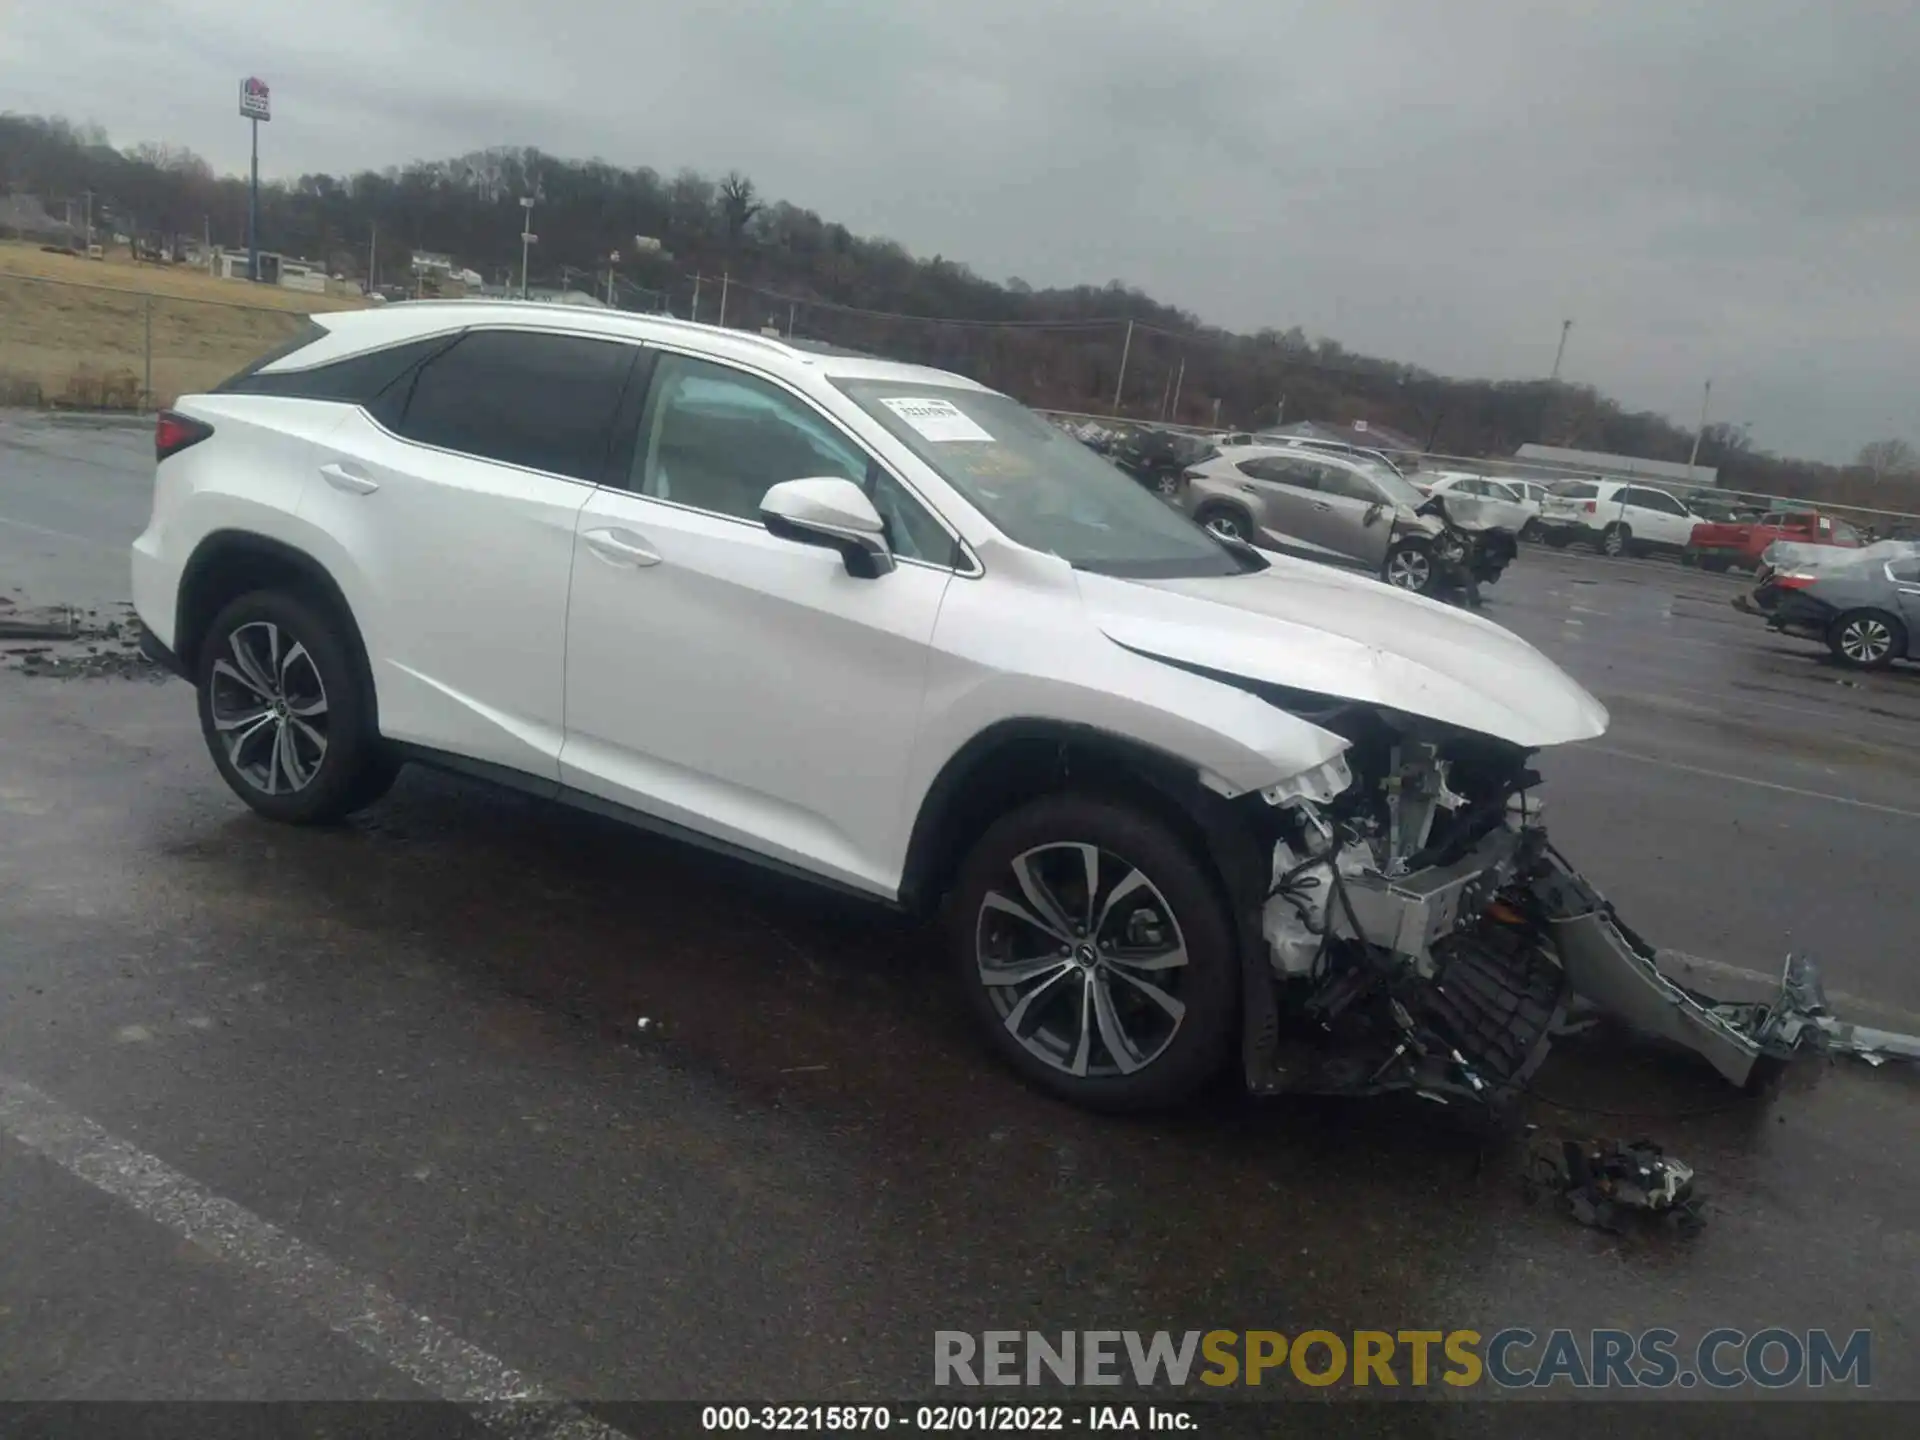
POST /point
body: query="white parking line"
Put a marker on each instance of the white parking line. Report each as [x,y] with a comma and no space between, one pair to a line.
[493,1392]
[1846,1005]
[1749,780]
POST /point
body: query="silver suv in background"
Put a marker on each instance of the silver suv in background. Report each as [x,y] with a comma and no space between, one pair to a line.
[1346,510]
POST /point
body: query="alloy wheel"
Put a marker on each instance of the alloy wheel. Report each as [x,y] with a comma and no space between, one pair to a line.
[1409,569]
[1613,542]
[1865,640]
[1227,527]
[269,708]
[1083,960]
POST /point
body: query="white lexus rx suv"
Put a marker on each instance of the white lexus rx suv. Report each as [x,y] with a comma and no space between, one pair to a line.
[1181,804]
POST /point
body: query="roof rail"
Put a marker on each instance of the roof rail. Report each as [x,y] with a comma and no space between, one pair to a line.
[766,342]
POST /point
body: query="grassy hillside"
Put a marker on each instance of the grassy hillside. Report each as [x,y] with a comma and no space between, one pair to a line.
[75,332]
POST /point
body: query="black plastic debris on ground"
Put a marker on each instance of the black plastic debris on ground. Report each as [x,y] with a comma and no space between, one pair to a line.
[1613,1185]
[75,645]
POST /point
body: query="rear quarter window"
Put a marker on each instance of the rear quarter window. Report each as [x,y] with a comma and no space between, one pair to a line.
[305,333]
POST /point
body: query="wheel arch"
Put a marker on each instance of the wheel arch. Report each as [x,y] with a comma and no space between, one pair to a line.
[228,563]
[1017,760]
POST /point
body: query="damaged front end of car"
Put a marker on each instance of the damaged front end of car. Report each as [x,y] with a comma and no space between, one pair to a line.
[1420,932]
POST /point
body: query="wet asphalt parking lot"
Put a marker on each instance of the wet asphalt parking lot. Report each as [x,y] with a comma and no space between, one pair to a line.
[271,1098]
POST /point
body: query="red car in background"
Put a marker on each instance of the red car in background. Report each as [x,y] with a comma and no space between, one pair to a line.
[1740,545]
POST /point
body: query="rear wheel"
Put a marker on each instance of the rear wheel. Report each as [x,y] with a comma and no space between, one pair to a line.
[1228,522]
[1615,539]
[1410,566]
[1095,949]
[1867,639]
[284,711]
[1531,531]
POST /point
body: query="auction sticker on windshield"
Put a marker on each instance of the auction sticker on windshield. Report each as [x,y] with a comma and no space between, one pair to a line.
[936,420]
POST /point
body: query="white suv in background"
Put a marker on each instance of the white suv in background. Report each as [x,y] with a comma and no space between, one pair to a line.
[1616,517]
[881,627]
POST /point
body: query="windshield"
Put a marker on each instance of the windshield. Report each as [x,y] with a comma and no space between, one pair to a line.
[1038,485]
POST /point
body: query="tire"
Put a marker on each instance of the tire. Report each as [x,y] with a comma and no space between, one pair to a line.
[1615,540]
[1867,639]
[1714,564]
[1531,532]
[1227,520]
[1410,566]
[1157,1059]
[331,762]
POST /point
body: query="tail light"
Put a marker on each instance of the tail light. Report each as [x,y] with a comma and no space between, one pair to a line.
[173,433]
[1592,507]
[1798,581]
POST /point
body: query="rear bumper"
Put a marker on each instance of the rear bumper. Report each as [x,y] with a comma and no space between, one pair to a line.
[159,654]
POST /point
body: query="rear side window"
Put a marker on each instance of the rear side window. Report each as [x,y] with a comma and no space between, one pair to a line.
[356,380]
[522,397]
[304,335]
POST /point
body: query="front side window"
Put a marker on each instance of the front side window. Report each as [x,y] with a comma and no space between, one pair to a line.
[1278,470]
[1040,487]
[718,439]
[1338,480]
[522,397]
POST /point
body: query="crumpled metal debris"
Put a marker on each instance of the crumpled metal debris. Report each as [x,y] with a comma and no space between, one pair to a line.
[1798,1019]
[1608,1183]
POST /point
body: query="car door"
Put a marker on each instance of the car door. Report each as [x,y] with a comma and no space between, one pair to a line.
[1656,517]
[1905,575]
[449,504]
[1352,515]
[746,687]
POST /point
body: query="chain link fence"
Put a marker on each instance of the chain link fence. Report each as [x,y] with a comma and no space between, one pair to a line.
[73,344]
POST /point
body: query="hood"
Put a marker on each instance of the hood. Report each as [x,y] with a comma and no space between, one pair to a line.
[1312,628]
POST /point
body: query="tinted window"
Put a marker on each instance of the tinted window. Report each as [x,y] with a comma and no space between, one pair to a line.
[1904,572]
[1654,500]
[356,380]
[1575,490]
[1283,470]
[305,333]
[718,439]
[1337,481]
[522,398]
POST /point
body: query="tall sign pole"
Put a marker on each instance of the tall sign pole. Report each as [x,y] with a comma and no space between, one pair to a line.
[256,104]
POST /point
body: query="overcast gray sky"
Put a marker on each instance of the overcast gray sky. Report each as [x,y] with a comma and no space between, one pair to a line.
[1715,187]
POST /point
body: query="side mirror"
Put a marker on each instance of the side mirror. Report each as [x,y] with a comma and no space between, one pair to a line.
[1374,512]
[833,512]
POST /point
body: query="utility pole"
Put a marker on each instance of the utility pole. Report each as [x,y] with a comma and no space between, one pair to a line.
[1120,381]
[526,240]
[253,208]
[1179,380]
[792,305]
[206,241]
[373,254]
[1558,355]
[694,312]
[1705,396]
[725,278]
[89,198]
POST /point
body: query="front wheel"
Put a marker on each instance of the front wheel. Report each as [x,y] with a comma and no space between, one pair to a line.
[1410,566]
[285,713]
[1531,531]
[1095,949]
[1867,639]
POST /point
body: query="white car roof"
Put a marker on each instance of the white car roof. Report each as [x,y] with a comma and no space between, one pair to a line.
[351,331]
